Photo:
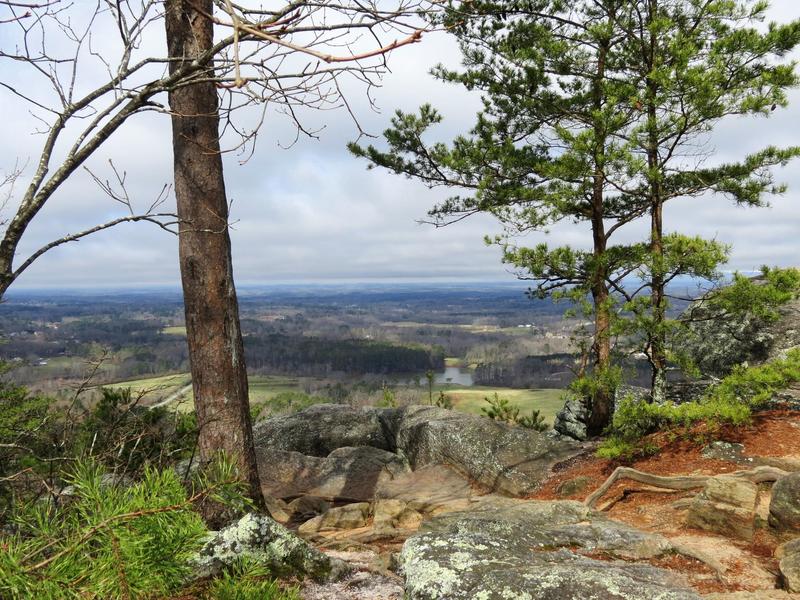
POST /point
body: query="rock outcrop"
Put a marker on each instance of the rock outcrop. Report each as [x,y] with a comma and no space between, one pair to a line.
[717,345]
[347,473]
[500,457]
[526,551]
[789,556]
[727,506]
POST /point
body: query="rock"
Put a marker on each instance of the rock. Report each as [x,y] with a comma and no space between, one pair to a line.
[321,429]
[430,490]
[790,572]
[278,509]
[521,552]
[784,507]
[395,514]
[759,595]
[726,506]
[717,345]
[307,507]
[735,453]
[262,539]
[349,516]
[573,486]
[572,418]
[506,459]
[370,580]
[787,548]
[680,392]
[347,473]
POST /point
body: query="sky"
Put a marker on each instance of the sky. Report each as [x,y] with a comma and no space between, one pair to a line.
[313,213]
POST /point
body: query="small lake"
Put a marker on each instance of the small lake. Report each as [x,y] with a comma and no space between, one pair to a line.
[454,376]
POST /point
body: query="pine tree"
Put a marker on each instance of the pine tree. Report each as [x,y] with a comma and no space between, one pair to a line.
[696,63]
[548,147]
[591,113]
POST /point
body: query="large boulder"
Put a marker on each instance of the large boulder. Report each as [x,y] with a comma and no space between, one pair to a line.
[784,506]
[346,473]
[526,551]
[429,490]
[322,428]
[262,539]
[504,458]
[790,572]
[571,420]
[349,516]
[501,457]
[717,345]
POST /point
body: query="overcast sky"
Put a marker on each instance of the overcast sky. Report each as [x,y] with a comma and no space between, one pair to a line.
[314,213]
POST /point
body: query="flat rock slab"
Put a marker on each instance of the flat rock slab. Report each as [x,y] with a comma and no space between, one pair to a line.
[321,429]
[351,474]
[506,459]
[520,551]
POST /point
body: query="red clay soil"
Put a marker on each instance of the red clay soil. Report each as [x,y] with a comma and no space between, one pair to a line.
[771,434]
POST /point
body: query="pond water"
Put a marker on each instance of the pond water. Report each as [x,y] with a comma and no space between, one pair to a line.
[455,376]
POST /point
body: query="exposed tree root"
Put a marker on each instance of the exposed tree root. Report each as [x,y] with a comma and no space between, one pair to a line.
[680,482]
[625,492]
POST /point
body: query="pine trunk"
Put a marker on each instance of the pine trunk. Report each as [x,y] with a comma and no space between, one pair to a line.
[216,353]
[602,404]
[657,352]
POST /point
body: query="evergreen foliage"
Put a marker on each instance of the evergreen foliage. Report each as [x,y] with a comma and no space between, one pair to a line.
[730,402]
[249,580]
[501,409]
[596,112]
[105,541]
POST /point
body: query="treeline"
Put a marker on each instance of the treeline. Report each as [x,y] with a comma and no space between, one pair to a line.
[308,356]
[548,371]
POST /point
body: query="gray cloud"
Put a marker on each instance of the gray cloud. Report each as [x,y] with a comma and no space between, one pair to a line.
[314,213]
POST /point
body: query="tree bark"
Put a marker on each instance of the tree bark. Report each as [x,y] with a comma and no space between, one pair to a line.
[216,352]
[657,351]
[602,404]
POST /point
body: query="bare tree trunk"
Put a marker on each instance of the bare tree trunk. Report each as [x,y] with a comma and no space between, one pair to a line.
[219,377]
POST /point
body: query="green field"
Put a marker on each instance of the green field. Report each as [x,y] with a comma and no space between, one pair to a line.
[471,399]
[265,388]
[262,388]
[174,330]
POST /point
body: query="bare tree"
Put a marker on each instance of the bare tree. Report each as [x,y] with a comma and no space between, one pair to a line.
[294,58]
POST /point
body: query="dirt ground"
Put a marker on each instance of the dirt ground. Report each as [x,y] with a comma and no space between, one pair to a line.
[740,565]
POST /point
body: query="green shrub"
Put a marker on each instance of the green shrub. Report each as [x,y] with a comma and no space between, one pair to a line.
[248,580]
[122,434]
[501,409]
[286,403]
[388,399]
[444,401]
[731,402]
[106,541]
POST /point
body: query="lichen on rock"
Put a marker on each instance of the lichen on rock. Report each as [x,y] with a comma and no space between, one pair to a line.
[260,538]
